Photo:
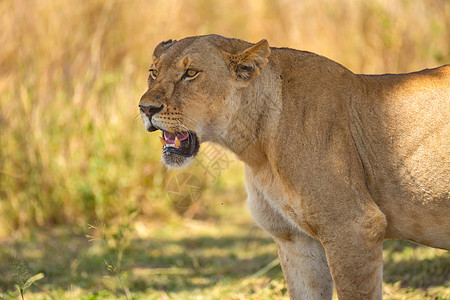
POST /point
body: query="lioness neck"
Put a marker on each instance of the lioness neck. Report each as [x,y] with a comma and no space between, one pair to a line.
[253,123]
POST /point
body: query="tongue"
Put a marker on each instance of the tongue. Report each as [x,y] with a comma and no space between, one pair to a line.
[170,137]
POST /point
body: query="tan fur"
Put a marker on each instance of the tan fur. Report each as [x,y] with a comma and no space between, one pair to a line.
[335,162]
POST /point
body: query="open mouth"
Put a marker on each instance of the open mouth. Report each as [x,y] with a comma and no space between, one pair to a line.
[185,144]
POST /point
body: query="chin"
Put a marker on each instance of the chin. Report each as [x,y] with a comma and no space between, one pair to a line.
[175,161]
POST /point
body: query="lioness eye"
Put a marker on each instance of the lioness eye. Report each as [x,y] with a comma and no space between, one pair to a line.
[191,73]
[153,73]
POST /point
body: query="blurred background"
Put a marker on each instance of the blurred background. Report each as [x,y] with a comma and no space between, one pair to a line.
[75,159]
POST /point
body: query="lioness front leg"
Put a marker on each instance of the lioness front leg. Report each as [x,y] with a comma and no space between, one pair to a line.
[302,258]
[354,252]
[305,267]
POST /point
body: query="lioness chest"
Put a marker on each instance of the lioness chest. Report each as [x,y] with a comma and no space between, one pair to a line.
[273,205]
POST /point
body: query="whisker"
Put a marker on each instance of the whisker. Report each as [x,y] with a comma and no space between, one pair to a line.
[193,121]
[182,125]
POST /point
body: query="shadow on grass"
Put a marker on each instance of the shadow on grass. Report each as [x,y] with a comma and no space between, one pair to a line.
[415,265]
[68,260]
[198,262]
[194,262]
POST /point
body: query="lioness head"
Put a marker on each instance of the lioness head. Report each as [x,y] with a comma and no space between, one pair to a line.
[193,90]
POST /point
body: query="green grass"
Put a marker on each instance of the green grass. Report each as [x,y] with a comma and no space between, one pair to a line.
[221,258]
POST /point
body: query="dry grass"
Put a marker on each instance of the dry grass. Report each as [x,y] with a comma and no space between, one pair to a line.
[72,150]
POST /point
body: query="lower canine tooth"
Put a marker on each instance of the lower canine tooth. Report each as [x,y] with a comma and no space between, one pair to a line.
[177,142]
[163,141]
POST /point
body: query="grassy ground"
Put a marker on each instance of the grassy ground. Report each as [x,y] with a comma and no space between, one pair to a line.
[225,258]
[73,152]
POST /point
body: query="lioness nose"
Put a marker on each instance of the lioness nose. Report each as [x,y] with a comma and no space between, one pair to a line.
[150,110]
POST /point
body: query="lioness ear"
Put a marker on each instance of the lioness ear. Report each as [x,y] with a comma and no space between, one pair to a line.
[162,47]
[247,65]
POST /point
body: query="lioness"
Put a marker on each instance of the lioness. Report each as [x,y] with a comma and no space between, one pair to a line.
[335,162]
